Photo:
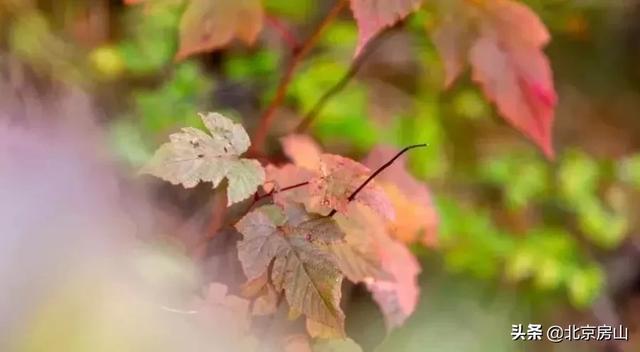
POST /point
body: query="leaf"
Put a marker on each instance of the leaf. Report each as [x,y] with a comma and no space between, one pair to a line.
[398,297]
[211,24]
[332,179]
[416,218]
[267,302]
[193,156]
[509,78]
[373,16]
[396,292]
[337,179]
[227,317]
[357,256]
[302,150]
[452,40]
[335,345]
[306,273]
[284,176]
[507,61]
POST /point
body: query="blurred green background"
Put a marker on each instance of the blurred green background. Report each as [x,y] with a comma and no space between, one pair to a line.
[521,239]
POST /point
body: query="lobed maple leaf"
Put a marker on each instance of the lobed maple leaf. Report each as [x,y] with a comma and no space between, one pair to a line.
[288,238]
[332,179]
[506,54]
[193,156]
[207,25]
[416,218]
[373,16]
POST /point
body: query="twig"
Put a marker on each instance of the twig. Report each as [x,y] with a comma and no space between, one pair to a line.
[288,37]
[259,197]
[260,134]
[379,170]
[354,68]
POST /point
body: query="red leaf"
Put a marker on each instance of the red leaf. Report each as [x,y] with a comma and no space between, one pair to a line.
[451,38]
[519,81]
[398,296]
[373,16]
[507,60]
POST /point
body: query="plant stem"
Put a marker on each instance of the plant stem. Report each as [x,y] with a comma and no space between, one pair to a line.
[378,171]
[288,37]
[257,198]
[260,134]
[339,86]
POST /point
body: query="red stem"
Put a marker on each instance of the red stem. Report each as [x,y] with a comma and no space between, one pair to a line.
[288,37]
[266,120]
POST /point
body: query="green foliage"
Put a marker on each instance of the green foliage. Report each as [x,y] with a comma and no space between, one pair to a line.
[345,117]
[300,10]
[523,178]
[470,241]
[152,41]
[579,179]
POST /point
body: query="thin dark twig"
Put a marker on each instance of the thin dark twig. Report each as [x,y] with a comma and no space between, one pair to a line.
[353,70]
[378,171]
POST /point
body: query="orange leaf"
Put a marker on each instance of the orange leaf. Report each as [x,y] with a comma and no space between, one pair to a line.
[207,25]
[416,218]
[302,150]
[396,290]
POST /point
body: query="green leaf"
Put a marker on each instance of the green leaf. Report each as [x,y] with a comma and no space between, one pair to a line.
[585,285]
[193,156]
[578,177]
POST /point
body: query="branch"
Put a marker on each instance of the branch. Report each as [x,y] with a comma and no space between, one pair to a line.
[378,171]
[259,197]
[354,68]
[260,134]
[288,37]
